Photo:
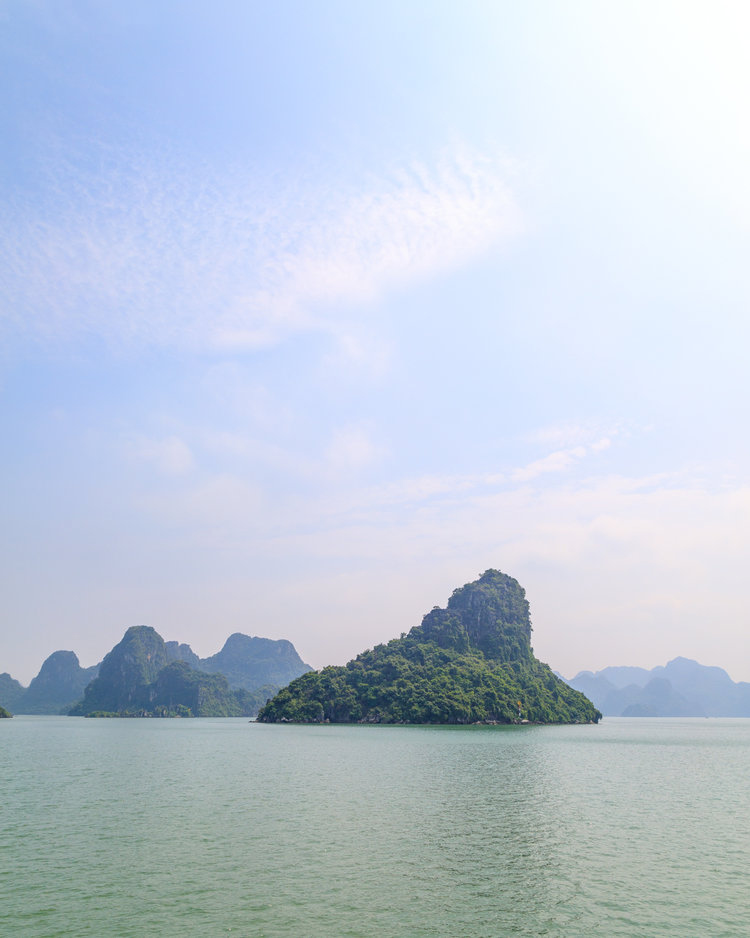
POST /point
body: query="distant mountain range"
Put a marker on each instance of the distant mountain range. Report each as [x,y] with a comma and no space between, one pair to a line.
[249,670]
[681,688]
[252,669]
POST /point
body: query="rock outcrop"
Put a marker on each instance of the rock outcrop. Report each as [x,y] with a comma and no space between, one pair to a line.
[60,683]
[252,662]
[126,673]
[470,662]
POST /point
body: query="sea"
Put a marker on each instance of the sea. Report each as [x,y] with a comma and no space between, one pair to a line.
[633,828]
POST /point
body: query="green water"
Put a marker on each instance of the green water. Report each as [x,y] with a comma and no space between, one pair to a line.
[213,827]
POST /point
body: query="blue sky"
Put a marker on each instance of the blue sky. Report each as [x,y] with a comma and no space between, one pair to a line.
[312,312]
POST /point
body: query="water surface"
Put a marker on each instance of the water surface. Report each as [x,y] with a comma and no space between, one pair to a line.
[210,827]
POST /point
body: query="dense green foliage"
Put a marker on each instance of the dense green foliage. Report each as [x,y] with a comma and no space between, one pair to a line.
[136,678]
[471,662]
[4,714]
[11,691]
[181,690]
[126,673]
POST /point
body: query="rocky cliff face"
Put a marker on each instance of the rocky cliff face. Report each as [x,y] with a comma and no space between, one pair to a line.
[60,683]
[179,651]
[251,662]
[126,673]
[490,615]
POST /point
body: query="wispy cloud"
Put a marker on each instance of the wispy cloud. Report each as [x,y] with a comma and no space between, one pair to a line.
[575,433]
[576,441]
[558,461]
[159,256]
[170,456]
[351,448]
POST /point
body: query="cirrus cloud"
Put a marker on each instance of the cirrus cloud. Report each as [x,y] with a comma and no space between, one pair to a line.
[150,255]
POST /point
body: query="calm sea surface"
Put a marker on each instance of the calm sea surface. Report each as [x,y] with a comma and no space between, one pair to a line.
[211,827]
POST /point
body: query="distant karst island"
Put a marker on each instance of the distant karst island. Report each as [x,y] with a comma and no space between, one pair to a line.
[471,662]
[145,676]
[681,688]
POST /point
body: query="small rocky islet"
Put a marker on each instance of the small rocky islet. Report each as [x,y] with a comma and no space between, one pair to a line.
[471,662]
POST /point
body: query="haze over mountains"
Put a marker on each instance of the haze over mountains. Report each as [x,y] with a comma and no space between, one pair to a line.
[262,666]
[258,666]
[681,688]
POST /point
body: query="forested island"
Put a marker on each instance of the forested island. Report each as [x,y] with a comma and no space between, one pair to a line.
[4,713]
[145,676]
[471,662]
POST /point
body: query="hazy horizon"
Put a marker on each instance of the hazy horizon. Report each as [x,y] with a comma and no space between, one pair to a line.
[26,680]
[311,313]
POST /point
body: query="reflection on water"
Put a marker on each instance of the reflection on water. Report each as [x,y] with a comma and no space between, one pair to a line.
[129,827]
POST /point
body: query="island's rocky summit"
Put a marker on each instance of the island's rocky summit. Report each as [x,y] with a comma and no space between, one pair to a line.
[145,676]
[179,651]
[60,682]
[126,674]
[251,662]
[471,662]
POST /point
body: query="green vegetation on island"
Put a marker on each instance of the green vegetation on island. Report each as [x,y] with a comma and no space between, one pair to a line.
[254,668]
[4,714]
[11,692]
[137,679]
[471,662]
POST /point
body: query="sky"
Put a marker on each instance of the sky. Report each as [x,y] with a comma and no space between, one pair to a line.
[312,312]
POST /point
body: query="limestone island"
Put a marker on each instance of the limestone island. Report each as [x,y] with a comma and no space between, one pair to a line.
[4,713]
[471,662]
